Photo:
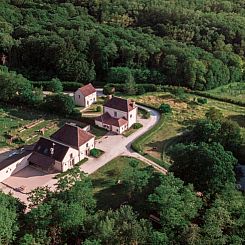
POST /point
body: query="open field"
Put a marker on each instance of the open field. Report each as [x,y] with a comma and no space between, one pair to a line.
[235,91]
[107,191]
[184,113]
[20,126]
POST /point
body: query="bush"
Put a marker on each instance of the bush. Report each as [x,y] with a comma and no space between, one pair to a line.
[95,153]
[59,103]
[165,108]
[137,125]
[55,86]
[98,108]
[140,90]
[202,101]
[71,86]
[109,89]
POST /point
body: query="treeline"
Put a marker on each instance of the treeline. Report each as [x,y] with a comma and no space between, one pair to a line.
[196,45]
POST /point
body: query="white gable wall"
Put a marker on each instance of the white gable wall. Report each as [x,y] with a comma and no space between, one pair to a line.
[14,168]
[73,156]
[79,98]
[132,117]
[90,99]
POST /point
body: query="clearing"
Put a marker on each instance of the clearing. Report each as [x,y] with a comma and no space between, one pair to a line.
[185,112]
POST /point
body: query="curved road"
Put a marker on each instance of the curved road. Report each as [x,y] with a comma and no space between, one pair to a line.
[116,145]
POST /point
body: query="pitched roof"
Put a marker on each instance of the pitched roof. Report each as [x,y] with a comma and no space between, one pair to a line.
[106,118]
[10,160]
[41,160]
[44,145]
[87,89]
[120,104]
[72,135]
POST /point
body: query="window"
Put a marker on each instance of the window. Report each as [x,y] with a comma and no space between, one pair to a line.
[71,155]
[38,148]
[45,151]
[115,114]
[131,116]
[79,96]
[87,145]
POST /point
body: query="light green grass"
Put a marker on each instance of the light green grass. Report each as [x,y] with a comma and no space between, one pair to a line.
[235,91]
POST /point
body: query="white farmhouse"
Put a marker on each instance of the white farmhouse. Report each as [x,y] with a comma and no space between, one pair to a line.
[66,147]
[118,115]
[85,96]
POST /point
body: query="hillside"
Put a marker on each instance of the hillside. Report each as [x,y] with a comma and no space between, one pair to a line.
[197,44]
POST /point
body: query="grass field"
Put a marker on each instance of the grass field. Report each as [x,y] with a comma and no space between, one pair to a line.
[235,91]
[25,125]
[107,191]
[184,114]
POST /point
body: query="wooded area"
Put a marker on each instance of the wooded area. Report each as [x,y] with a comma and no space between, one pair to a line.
[197,44]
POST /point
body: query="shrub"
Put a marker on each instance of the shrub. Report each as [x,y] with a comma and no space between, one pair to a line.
[202,100]
[59,103]
[55,86]
[165,108]
[140,90]
[109,89]
[95,152]
[137,125]
[98,108]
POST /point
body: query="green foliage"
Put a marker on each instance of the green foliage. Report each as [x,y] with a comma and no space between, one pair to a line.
[9,212]
[214,114]
[96,153]
[98,108]
[208,166]
[225,132]
[55,86]
[176,204]
[59,103]
[165,108]
[108,89]
[135,178]
[137,125]
[202,101]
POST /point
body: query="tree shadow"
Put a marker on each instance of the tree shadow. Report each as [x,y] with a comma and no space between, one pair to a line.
[240,119]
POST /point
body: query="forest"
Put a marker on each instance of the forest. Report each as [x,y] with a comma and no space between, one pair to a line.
[195,44]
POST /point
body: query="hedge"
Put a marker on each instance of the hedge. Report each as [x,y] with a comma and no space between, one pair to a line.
[222,99]
[67,86]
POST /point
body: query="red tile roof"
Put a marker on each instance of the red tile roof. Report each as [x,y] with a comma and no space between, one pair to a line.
[106,118]
[72,135]
[87,89]
[120,104]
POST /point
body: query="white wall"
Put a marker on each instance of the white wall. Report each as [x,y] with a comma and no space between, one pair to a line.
[14,168]
[89,100]
[79,98]
[120,114]
[77,156]
[132,118]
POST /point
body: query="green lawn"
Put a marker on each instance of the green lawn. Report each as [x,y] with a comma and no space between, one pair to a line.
[235,91]
[107,191]
[13,121]
[184,114]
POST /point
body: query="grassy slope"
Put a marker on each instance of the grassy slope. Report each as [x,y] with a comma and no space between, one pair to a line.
[183,116]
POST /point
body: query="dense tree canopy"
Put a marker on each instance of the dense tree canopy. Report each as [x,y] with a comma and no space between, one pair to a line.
[197,44]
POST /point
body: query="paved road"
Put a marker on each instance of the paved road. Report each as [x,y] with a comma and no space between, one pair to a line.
[116,145]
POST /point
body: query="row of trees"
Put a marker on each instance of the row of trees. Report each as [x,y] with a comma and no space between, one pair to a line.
[43,40]
[16,89]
